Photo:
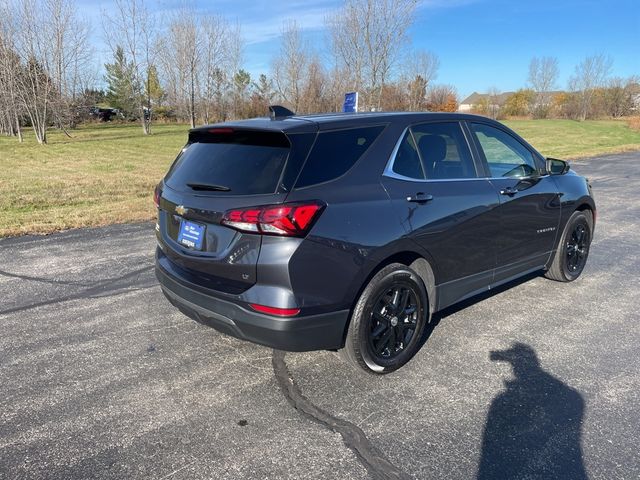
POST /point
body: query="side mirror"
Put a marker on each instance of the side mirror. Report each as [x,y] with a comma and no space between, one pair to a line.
[557,167]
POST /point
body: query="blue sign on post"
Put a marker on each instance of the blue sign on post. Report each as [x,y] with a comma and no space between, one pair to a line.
[350,102]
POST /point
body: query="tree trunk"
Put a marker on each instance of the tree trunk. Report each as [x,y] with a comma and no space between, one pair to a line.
[18,128]
[193,101]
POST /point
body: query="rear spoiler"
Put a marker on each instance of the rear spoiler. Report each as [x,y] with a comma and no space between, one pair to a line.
[278,112]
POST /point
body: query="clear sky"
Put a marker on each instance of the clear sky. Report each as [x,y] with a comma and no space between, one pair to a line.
[480,43]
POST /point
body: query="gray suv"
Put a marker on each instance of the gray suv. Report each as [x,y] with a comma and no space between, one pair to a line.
[347,231]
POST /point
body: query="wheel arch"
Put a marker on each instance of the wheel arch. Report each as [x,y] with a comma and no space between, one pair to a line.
[586,206]
[412,259]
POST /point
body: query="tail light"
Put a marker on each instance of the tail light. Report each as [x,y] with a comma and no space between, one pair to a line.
[287,219]
[156,196]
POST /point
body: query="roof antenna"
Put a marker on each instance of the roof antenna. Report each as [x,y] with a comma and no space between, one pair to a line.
[278,112]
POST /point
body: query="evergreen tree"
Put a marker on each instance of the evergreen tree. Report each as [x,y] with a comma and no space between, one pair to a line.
[264,89]
[120,85]
[153,90]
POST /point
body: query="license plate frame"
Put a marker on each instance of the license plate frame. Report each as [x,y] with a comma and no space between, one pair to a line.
[191,234]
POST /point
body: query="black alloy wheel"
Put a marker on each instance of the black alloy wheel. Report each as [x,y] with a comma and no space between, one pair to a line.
[577,248]
[388,321]
[393,321]
[571,255]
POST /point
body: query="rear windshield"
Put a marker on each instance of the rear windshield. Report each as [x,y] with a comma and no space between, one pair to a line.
[336,152]
[239,162]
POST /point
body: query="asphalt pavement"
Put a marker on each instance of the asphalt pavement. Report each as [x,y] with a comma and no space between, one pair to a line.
[100,377]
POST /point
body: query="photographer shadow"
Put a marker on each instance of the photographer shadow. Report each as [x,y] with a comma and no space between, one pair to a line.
[533,428]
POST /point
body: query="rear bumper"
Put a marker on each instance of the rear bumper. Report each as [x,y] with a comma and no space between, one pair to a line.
[297,334]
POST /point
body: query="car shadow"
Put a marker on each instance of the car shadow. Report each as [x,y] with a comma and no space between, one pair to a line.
[533,428]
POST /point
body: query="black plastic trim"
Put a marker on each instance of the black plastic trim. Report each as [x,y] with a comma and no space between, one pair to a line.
[296,334]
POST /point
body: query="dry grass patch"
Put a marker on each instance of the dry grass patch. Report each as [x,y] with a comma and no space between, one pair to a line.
[104,175]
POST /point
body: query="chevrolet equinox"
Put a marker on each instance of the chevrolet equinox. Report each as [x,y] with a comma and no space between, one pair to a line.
[348,231]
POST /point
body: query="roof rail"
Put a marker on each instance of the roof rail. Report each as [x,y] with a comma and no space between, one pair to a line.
[278,112]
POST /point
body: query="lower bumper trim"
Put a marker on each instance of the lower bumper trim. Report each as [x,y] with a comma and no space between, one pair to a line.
[313,332]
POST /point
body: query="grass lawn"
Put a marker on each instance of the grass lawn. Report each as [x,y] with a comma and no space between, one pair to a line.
[106,173]
[569,139]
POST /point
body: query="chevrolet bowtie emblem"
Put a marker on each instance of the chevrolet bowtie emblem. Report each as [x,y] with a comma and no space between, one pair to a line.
[181,210]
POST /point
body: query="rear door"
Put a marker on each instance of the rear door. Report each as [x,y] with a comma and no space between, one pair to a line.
[218,170]
[445,207]
[529,200]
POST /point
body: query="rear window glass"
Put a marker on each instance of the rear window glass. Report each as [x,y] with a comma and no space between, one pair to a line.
[244,162]
[336,152]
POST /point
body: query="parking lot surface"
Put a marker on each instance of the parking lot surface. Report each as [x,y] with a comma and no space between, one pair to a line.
[100,377]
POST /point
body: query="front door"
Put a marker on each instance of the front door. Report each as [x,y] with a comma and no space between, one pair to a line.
[529,201]
[445,207]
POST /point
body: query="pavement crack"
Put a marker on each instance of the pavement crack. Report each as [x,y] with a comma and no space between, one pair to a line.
[102,289]
[372,459]
[38,279]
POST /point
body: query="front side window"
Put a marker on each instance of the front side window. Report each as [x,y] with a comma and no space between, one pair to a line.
[505,155]
[444,151]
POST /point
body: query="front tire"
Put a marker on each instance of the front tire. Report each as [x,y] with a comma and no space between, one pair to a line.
[388,321]
[573,249]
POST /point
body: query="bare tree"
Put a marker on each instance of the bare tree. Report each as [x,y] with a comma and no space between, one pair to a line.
[291,65]
[619,95]
[421,68]
[131,26]
[589,75]
[10,70]
[200,58]
[30,30]
[315,98]
[493,102]
[215,59]
[43,35]
[182,48]
[235,56]
[543,76]
[367,36]
[442,98]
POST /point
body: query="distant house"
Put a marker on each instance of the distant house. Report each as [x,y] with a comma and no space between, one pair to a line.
[476,98]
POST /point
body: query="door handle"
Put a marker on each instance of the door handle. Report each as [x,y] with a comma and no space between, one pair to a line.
[511,191]
[420,197]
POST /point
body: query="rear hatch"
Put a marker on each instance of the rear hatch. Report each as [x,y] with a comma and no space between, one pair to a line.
[220,169]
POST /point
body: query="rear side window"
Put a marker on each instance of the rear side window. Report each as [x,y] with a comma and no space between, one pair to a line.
[407,162]
[336,152]
[244,162]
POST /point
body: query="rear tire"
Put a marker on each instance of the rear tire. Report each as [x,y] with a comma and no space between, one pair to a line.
[573,248]
[388,321]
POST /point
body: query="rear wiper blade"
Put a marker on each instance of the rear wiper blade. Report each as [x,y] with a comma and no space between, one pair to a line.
[209,186]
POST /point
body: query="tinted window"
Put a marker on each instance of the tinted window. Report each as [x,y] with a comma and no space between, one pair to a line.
[336,152]
[407,161]
[506,156]
[444,152]
[248,163]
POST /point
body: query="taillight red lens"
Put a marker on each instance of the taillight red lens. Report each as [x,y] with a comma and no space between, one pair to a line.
[281,312]
[289,219]
[156,196]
